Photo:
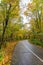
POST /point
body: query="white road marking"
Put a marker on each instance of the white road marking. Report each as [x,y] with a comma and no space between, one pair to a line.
[34,53]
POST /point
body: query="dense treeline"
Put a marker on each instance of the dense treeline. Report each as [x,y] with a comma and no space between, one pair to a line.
[12,27]
[9,14]
[35,12]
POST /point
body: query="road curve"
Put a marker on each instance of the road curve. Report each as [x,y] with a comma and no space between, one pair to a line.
[27,54]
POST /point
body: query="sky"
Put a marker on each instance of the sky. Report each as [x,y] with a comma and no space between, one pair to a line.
[0,1]
[23,5]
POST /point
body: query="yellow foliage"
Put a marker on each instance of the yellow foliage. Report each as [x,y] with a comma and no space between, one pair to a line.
[7,53]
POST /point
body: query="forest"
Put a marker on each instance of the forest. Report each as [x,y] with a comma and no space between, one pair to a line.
[12,28]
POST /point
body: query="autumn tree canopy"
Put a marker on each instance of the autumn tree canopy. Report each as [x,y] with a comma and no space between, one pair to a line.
[35,12]
[9,11]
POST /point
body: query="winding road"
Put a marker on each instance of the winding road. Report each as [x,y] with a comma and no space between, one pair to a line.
[27,54]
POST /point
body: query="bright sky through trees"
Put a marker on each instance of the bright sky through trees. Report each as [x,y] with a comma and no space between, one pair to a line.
[23,5]
[0,1]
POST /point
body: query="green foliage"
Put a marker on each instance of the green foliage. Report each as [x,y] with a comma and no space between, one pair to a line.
[36,42]
[1,56]
[35,11]
[9,10]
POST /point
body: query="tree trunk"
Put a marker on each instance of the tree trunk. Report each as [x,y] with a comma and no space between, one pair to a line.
[6,23]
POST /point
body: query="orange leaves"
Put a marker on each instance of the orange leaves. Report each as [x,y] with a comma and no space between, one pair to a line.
[30,5]
[5,60]
[7,53]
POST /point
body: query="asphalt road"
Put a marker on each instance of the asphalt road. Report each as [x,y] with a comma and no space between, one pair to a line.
[27,54]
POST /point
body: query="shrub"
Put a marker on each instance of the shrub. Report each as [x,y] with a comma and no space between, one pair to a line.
[37,42]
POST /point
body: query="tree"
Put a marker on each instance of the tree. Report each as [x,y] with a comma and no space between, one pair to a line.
[35,11]
[9,10]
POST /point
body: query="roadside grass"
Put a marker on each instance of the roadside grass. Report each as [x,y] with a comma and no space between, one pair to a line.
[6,53]
[36,42]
